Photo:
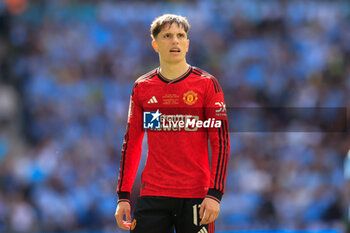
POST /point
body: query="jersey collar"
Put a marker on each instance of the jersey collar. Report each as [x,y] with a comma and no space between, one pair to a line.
[168,81]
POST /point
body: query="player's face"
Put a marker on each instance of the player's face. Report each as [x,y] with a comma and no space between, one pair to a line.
[171,44]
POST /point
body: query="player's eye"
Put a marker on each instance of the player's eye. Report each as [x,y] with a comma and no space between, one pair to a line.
[167,35]
[181,35]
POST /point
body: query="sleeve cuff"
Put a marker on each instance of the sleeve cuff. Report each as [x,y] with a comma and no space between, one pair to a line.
[124,195]
[215,194]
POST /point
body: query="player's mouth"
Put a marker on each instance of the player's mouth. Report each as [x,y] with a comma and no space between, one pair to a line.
[175,50]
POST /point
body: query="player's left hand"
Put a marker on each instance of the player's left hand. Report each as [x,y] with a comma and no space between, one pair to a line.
[209,211]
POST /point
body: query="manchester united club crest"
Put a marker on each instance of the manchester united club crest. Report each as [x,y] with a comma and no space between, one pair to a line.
[190,97]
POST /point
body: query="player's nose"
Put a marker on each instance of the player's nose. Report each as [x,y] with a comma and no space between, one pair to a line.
[175,40]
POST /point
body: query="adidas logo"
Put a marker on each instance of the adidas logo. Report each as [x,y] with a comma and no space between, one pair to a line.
[203,230]
[153,100]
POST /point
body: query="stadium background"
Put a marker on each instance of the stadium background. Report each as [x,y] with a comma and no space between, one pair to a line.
[67,69]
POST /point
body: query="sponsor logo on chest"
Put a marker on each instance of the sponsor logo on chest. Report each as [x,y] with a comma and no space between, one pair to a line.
[152,100]
[189,98]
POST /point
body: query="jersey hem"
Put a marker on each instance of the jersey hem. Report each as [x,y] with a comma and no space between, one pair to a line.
[180,194]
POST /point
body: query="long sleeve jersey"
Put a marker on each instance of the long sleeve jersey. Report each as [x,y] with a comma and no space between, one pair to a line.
[178,163]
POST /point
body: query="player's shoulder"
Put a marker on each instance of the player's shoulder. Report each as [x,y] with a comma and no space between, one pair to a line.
[147,76]
[207,77]
[143,79]
[202,73]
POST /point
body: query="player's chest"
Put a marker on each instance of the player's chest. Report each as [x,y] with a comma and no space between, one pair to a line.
[173,96]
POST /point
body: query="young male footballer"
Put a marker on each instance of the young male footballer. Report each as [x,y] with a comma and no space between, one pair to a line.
[181,189]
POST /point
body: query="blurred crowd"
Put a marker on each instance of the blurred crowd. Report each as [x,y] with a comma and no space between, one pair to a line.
[67,69]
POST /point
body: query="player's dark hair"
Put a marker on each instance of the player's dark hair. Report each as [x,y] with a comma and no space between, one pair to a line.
[168,19]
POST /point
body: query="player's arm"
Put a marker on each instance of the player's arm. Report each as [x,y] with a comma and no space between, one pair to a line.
[131,155]
[220,145]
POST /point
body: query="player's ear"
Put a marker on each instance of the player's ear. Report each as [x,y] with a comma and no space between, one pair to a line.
[188,45]
[155,46]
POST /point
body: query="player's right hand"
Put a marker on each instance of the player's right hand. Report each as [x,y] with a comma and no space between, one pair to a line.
[123,209]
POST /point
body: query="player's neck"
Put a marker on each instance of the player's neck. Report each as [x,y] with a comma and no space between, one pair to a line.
[173,71]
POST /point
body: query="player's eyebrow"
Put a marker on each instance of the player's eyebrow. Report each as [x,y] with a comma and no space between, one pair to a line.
[176,33]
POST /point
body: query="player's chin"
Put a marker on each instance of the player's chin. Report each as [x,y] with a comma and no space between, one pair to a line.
[175,60]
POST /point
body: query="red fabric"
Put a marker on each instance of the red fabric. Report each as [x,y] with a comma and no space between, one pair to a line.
[178,162]
[211,227]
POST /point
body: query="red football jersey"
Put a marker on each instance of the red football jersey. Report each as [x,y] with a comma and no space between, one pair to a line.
[178,160]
